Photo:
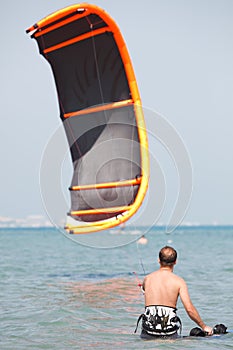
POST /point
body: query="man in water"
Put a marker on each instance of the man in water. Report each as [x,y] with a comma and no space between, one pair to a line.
[162,289]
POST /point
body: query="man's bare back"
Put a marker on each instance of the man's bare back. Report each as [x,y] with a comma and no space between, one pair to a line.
[162,288]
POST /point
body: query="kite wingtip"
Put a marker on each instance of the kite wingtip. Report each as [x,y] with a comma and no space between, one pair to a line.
[28,30]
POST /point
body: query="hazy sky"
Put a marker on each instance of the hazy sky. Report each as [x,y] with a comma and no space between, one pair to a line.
[182,53]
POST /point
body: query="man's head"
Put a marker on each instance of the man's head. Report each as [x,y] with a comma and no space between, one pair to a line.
[167,256]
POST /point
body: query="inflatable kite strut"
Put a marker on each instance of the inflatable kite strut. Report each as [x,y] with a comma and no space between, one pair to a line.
[101,112]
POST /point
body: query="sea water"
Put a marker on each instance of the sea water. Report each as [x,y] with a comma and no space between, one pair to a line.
[59,294]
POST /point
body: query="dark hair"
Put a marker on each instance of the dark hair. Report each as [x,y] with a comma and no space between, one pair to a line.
[167,256]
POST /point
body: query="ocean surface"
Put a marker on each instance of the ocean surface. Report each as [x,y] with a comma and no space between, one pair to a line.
[58,293]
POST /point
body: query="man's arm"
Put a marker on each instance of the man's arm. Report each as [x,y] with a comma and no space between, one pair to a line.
[143,285]
[191,310]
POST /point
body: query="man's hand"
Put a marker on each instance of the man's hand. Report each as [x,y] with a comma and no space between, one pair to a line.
[208,330]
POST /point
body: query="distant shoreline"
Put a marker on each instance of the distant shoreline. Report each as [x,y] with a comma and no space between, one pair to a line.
[148,227]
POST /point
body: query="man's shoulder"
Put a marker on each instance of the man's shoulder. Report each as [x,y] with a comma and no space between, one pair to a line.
[150,275]
[179,279]
[153,273]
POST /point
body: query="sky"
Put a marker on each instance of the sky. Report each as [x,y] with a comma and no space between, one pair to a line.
[182,55]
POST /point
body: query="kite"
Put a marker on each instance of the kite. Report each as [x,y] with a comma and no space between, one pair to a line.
[102,115]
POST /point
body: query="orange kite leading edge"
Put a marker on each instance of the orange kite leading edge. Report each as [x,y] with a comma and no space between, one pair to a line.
[102,114]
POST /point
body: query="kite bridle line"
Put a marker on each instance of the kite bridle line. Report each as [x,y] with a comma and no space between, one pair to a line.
[139,284]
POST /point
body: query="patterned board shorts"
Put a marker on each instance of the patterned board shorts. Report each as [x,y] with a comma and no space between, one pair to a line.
[158,320]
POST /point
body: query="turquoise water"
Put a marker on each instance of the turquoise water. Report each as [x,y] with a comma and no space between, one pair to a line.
[57,294]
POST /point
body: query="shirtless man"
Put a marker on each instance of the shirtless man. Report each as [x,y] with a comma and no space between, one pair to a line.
[162,289]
